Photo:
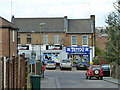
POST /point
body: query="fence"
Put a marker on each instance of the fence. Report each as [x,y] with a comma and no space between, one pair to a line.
[115,70]
[14,72]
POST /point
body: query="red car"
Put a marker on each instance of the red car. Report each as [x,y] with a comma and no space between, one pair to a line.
[94,71]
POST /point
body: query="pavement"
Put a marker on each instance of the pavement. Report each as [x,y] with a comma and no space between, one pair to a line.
[48,82]
[112,80]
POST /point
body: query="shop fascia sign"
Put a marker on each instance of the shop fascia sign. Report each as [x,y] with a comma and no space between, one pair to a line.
[54,47]
[78,50]
[24,47]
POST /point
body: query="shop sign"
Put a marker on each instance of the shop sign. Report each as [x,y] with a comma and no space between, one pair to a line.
[53,47]
[23,47]
[78,50]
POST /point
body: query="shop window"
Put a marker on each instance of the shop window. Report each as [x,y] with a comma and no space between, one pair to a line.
[85,40]
[28,39]
[56,39]
[45,39]
[19,39]
[74,40]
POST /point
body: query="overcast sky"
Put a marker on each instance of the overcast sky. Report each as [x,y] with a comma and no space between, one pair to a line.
[74,9]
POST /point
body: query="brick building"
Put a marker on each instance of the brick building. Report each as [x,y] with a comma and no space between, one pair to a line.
[8,38]
[57,35]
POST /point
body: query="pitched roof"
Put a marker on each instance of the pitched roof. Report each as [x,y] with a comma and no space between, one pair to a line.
[33,24]
[6,24]
[79,26]
[53,24]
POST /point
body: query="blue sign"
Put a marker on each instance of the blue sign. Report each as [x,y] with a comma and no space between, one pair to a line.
[32,61]
[78,50]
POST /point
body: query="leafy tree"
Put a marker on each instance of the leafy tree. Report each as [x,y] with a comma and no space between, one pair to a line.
[112,50]
[99,52]
[96,61]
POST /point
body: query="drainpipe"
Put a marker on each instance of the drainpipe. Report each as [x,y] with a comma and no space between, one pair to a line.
[9,42]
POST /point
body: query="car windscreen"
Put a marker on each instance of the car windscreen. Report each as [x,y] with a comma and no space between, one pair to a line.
[96,67]
[105,68]
[66,61]
[50,62]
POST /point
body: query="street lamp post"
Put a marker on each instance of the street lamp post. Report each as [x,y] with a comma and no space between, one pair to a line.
[41,24]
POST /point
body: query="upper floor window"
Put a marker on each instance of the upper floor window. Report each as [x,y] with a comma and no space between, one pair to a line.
[28,39]
[13,36]
[73,40]
[56,39]
[19,39]
[45,39]
[85,40]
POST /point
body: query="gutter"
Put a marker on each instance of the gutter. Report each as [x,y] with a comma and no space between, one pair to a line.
[10,27]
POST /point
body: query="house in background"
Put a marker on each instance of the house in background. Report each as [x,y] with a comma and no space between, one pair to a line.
[61,38]
[8,38]
[101,37]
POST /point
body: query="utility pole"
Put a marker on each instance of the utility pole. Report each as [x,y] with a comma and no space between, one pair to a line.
[11,8]
[41,24]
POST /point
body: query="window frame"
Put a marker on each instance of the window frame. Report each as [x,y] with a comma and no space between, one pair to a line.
[56,39]
[72,41]
[28,37]
[18,37]
[45,38]
[82,40]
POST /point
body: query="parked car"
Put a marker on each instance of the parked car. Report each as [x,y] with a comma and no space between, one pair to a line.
[75,63]
[65,63]
[50,64]
[106,69]
[94,71]
[81,65]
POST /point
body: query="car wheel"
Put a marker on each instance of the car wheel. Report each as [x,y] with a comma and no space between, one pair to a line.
[97,77]
[89,77]
[86,77]
[101,78]
[77,68]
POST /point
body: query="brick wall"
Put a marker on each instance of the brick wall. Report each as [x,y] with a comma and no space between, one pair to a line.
[13,45]
[0,43]
[5,43]
[36,37]
[67,40]
[6,37]
[79,39]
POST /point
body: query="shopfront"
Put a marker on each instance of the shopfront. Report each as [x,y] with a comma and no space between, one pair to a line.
[52,52]
[51,56]
[78,54]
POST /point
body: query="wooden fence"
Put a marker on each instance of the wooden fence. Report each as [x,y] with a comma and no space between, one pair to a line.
[14,72]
